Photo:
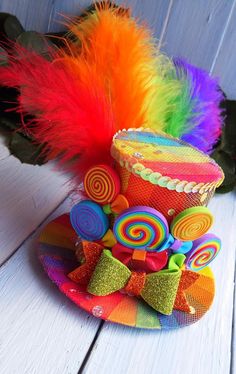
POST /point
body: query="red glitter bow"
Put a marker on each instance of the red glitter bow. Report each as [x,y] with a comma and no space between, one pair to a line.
[140,260]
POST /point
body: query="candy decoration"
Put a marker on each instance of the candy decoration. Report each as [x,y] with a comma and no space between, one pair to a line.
[108,240]
[141,227]
[203,252]
[58,262]
[168,243]
[88,220]
[181,247]
[102,184]
[192,223]
[117,206]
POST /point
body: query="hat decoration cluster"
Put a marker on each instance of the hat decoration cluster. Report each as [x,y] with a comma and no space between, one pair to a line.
[136,243]
[144,225]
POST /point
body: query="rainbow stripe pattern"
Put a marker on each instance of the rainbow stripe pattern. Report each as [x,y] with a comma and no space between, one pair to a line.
[203,252]
[141,227]
[168,156]
[57,257]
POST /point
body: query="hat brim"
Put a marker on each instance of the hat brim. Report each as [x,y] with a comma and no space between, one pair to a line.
[57,254]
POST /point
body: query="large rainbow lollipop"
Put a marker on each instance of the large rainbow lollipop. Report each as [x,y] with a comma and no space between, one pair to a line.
[203,252]
[88,220]
[102,184]
[141,227]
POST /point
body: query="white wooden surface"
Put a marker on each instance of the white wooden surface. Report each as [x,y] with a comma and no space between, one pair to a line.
[43,332]
[40,330]
[27,195]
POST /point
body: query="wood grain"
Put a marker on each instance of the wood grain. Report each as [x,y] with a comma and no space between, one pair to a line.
[34,15]
[28,194]
[225,61]
[201,31]
[41,331]
[195,29]
[152,13]
[201,348]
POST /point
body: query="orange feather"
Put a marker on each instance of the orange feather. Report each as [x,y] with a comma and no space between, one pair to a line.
[125,55]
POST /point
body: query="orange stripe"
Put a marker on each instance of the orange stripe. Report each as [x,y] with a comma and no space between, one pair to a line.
[58,235]
[125,312]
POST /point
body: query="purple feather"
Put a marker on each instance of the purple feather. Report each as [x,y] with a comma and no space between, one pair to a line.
[206,96]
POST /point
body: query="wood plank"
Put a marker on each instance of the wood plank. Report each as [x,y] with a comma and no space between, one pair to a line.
[233,345]
[225,62]
[4,152]
[201,348]
[195,28]
[151,12]
[41,331]
[34,15]
[28,194]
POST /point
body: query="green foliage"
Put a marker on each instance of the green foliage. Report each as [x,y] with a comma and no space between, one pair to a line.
[225,152]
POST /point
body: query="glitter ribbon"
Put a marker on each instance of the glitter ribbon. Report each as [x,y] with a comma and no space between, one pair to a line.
[83,273]
[159,289]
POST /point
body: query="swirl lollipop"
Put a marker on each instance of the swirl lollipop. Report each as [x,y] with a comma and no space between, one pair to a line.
[102,184]
[141,227]
[88,220]
[192,223]
[203,252]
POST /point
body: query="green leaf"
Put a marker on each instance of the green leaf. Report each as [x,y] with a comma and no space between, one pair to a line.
[3,57]
[8,123]
[34,41]
[13,27]
[10,26]
[225,153]
[228,140]
[25,150]
[228,165]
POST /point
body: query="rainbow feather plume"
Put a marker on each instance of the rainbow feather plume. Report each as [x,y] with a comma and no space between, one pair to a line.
[203,127]
[113,78]
[136,75]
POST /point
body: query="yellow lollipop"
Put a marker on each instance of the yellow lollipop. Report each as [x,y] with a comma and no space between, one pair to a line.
[192,223]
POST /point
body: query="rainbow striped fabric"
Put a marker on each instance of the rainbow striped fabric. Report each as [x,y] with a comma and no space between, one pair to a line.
[56,253]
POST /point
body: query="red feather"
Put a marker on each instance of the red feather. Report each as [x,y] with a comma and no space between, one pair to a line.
[73,116]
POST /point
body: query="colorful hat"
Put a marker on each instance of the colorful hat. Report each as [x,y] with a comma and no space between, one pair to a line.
[160,171]
[135,250]
[144,225]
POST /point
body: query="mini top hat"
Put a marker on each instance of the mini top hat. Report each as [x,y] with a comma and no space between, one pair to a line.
[141,234]
[173,175]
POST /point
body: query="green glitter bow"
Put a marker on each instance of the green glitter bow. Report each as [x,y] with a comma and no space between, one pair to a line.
[159,289]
